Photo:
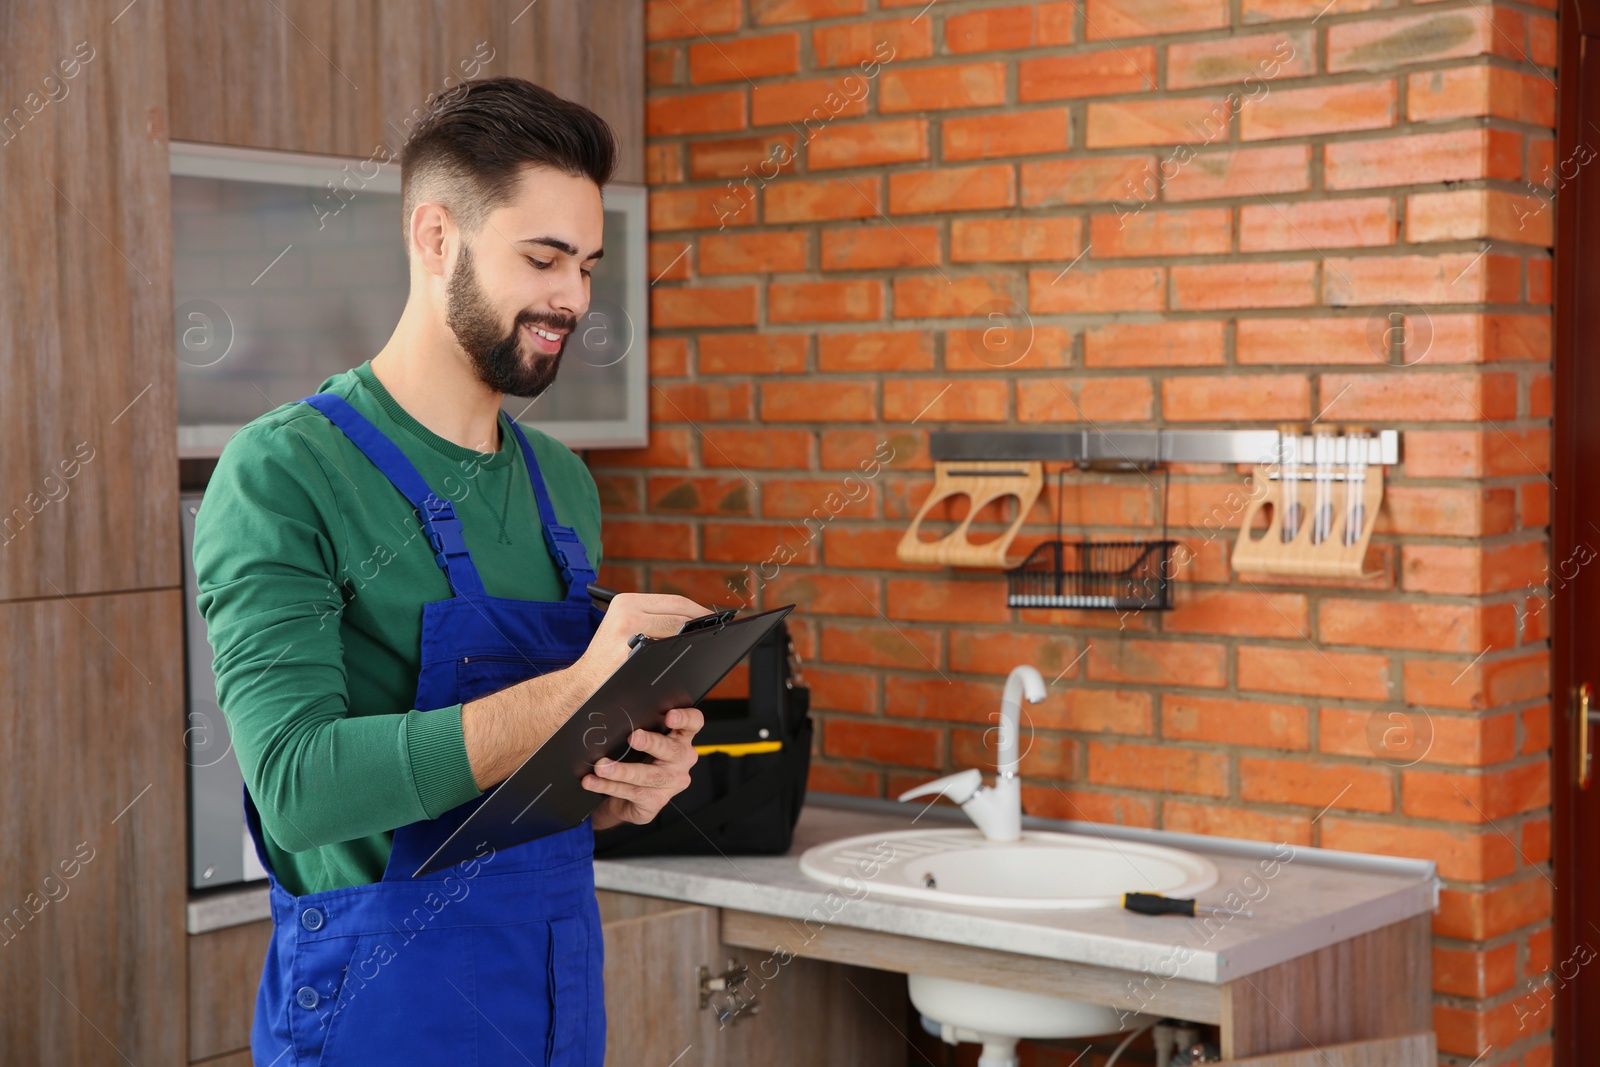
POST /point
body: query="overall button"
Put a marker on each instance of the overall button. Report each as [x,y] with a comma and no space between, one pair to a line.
[306,997]
[311,919]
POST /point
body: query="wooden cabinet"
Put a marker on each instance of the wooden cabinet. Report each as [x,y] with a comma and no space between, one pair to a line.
[91,888]
[788,1012]
[232,1059]
[224,971]
[814,1013]
[807,1002]
[88,471]
[342,79]
[793,1012]
[1375,987]
[652,997]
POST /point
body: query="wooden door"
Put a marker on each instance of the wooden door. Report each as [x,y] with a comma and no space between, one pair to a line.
[224,973]
[91,885]
[814,1013]
[652,950]
[788,1012]
[1574,586]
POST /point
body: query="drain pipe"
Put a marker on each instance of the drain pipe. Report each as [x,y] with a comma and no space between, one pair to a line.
[998,1049]
[1000,1052]
[1116,1053]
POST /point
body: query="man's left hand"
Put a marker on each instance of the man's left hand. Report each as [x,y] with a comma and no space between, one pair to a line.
[638,791]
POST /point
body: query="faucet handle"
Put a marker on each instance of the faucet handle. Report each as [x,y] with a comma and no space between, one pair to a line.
[959,787]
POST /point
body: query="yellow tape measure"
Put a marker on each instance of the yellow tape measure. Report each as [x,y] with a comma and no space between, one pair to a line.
[749,748]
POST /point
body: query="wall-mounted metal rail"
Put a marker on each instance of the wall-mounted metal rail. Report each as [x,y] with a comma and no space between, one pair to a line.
[1129,449]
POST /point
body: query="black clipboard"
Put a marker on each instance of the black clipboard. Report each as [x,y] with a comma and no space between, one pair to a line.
[546,795]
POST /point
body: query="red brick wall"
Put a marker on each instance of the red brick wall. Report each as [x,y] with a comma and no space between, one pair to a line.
[1185,213]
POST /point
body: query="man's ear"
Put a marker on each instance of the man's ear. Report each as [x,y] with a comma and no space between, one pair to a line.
[431,234]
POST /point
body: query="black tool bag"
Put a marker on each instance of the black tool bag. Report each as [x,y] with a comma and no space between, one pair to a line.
[737,803]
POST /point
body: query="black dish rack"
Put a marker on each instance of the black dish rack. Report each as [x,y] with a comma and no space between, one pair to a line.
[1119,575]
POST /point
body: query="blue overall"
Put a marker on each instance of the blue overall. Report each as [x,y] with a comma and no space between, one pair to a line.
[496,960]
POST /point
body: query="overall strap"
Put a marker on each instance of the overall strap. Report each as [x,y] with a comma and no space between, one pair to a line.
[437,515]
[563,541]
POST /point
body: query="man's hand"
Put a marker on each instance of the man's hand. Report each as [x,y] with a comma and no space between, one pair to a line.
[502,728]
[656,615]
[636,792]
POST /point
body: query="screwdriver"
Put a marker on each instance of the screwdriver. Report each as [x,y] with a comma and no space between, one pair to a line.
[1156,904]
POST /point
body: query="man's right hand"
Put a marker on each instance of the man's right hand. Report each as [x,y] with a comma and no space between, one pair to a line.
[655,615]
[502,728]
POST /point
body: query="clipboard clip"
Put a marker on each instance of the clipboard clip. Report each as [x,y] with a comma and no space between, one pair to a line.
[717,619]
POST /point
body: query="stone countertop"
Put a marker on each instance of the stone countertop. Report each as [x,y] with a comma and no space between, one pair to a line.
[1303,899]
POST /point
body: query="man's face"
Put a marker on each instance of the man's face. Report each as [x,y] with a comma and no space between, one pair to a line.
[520,285]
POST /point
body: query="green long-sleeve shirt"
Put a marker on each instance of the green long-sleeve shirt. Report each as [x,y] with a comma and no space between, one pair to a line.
[312,571]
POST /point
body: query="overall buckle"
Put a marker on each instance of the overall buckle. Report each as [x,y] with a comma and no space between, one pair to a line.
[444,531]
[571,557]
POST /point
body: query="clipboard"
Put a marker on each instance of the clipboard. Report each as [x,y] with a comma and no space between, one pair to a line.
[545,795]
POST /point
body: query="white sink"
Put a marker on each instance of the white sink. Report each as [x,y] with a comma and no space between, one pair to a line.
[996,1018]
[1041,871]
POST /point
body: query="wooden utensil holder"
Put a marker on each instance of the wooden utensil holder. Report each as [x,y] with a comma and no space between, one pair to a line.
[983,482]
[1322,513]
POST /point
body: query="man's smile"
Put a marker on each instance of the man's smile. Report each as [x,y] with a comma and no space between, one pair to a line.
[544,339]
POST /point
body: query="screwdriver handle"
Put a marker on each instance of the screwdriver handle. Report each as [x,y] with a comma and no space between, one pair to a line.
[1156,904]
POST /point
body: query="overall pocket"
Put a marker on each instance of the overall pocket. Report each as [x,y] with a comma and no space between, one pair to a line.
[478,676]
[405,997]
[537,979]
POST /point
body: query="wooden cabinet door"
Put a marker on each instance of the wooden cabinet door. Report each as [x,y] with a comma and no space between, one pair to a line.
[652,951]
[91,794]
[790,1012]
[812,1013]
[224,971]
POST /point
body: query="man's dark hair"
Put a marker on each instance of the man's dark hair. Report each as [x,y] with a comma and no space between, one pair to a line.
[468,150]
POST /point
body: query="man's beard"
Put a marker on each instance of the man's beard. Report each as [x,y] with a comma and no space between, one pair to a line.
[498,358]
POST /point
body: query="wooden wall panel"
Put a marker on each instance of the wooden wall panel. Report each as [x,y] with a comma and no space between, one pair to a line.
[342,78]
[88,471]
[92,896]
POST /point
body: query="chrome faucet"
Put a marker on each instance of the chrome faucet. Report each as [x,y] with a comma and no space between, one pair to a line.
[996,810]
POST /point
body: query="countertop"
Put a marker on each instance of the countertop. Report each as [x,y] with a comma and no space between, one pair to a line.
[1312,898]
